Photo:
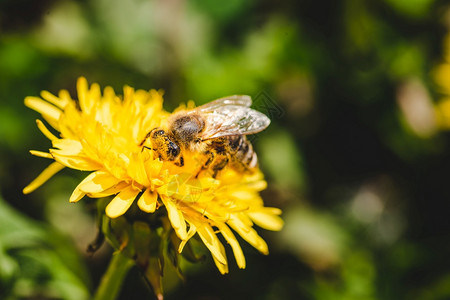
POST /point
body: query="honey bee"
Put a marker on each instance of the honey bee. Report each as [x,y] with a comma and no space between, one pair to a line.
[217,129]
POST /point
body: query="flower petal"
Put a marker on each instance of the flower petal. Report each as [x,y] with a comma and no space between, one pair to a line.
[41,154]
[48,172]
[120,204]
[208,182]
[267,218]
[257,185]
[223,268]
[212,242]
[86,103]
[231,239]
[64,95]
[147,201]
[61,103]
[48,111]
[176,217]
[136,169]
[154,167]
[111,191]
[77,195]
[75,162]
[45,131]
[97,182]
[248,234]
[68,146]
[192,230]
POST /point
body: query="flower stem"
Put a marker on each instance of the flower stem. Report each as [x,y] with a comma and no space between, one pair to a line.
[112,280]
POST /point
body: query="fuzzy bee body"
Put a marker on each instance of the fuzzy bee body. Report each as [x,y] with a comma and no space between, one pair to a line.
[242,151]
[218,129]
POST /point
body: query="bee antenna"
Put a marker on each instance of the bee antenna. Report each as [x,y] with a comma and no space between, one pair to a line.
[146,147]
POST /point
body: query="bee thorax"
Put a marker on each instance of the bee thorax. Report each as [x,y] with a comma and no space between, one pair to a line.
[199,146]
[186,128]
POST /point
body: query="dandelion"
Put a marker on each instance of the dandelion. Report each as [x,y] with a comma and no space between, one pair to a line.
[102,133]
[441,76]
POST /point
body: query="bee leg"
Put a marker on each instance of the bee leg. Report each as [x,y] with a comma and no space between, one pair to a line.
[207,163]
[180,162]
[146,137]
[220,161]
[145,147]
[210,159]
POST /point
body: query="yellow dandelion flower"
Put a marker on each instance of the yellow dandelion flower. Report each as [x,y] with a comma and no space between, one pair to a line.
[103,133]
[442,109]
[441,76]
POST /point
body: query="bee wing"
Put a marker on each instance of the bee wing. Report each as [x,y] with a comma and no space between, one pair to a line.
[226,120]
[239,100]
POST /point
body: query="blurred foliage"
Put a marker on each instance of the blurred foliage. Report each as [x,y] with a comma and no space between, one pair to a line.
[354,156]
[36,262]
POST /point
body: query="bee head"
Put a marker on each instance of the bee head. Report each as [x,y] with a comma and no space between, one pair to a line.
[186,128]
[163,144]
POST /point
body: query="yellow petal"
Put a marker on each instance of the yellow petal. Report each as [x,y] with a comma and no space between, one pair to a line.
[136,169]
[154,167]
[49,112]
[61,103]
[243,194]
[75,162]
[97,182]
[248,234]
[82,92]
[77,195]
[242,221]
[211,241]
[51,170]
[184,187]
[158,182]
[147,201]
[192,230]
[108,93]
[120,204]
[205,197]
[93,96]
[176,218]
[223,268]
[267,218]
[45,131]
[111,191]
[258,185]
[231,239]
[208,182]
[41,154]
[68,146]
[64,95]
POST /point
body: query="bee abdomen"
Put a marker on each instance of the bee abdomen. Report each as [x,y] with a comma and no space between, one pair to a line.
[254,161]
[243,151]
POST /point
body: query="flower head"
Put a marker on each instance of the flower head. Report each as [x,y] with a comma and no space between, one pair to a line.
[441,76]
[103,133]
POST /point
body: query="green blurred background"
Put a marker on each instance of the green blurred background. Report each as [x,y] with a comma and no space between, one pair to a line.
[354,155]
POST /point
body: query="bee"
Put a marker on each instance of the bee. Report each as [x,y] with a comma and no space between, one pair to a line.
[217,129]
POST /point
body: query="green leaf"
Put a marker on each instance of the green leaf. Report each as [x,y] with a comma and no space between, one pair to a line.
[36,261]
